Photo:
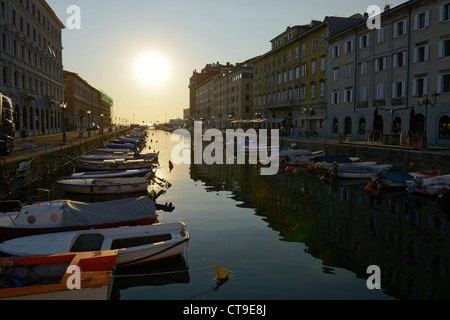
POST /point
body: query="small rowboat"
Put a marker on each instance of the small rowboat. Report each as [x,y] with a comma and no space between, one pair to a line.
[303,159]
[112,164]
[105,185]
[52,277]
[136,245]
[359,172]
[112,174]
[126,156]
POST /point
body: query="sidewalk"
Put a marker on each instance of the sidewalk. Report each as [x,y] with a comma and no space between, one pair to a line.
[46,143]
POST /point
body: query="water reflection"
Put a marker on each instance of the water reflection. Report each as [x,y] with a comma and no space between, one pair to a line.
[344,227]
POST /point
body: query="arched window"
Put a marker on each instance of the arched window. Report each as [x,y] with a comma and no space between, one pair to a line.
[335,126]
[362,126]
[444,128]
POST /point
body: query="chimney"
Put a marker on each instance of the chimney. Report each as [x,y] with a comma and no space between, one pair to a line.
[387,8]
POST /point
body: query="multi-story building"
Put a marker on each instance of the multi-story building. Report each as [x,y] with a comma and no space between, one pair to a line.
[233,96]
[86,106]
[291,79]
[198,78]
[276,83]
[31,64]
[225,99]
[376,75]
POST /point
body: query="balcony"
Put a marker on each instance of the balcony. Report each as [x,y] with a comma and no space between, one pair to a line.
[397,101]
[363,104]
[379,103]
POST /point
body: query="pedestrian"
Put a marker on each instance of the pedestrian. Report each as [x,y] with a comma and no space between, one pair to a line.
[23,133]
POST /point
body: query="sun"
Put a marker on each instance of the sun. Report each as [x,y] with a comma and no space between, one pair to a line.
[152,68]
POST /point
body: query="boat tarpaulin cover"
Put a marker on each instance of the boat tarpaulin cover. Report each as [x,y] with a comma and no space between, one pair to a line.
[84,213]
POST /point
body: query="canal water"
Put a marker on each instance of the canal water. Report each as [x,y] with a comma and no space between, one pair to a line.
[289,237]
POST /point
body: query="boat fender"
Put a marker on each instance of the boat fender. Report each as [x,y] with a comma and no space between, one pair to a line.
[222,273]
[289,169]
[368,187]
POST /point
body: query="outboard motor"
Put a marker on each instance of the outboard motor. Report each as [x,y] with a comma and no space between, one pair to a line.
[417,182]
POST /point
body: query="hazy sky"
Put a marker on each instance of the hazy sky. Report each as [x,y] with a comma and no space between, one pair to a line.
[187,33]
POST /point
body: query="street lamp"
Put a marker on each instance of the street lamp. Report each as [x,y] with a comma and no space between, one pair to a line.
[424,100]
[101,123]
[89,123]
[63,107]
[308,111]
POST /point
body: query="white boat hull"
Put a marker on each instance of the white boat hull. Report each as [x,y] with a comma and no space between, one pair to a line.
[135,245]
[84,187]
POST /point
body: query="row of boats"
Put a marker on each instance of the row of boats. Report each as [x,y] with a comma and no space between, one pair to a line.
[428,182]
[44,243]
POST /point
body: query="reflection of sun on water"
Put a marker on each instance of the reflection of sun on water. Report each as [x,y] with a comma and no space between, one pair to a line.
[152,68]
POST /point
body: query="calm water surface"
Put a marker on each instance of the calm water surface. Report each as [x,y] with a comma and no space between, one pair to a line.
[290,236]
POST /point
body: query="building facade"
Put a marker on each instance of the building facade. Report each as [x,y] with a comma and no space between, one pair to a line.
[198,78]
[86,106]
[31,64]
[376,82]
[291,79]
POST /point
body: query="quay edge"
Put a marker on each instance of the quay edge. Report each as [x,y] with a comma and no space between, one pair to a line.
[46,164]
[402,157]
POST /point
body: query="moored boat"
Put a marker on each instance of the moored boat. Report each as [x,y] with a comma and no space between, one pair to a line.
[434,186]
[105,185]
[359,172]
[67,215]
[398,179]
[303,159]
[112,174]
[112,164]
[135,245]
[49,277]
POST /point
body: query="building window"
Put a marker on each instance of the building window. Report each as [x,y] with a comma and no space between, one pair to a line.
[420,86]
[444,48]
[322,89]
[322,64]
[323,40]
[336,52]
[304,49]
[363,94]
[364,67]
[444,83]
[335,97]
[349,46]
[348,71]
[313,91]
[364,41]
[380,91]
[335,126]
[422,20]
[444,12]
[398,89]
[304,68]
[336,74]
[444,128]
[400,59]
[313,67]
[400,29]
[362,126]
[381,35]
[380,64]
[313,45]
[348,96]
[421,54]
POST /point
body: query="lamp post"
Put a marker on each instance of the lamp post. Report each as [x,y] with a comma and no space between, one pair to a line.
[63,108]
[101,123]
[89,123]
[424,100]
[307,110]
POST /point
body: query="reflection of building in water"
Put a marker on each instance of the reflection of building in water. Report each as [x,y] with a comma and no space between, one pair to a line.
[345,228]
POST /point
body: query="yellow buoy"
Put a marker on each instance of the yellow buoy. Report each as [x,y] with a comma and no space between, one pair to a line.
[222,273]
